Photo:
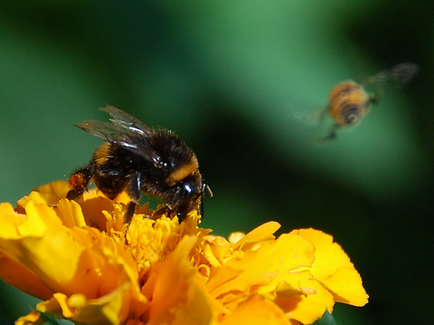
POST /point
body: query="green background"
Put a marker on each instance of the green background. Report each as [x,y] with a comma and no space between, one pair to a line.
[240,81]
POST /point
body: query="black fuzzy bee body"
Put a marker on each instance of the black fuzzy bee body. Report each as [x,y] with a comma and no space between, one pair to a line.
[138,159]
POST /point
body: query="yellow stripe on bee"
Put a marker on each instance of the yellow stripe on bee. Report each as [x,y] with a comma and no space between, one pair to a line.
[344,93]
[184,171]
[101,153]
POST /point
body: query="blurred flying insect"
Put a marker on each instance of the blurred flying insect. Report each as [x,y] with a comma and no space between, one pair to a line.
[349,102]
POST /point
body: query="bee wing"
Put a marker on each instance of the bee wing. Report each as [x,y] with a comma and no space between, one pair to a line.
[126,120]
[400,74]
[125,131]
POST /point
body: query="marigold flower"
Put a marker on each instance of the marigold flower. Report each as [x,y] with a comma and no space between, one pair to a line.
[73,255]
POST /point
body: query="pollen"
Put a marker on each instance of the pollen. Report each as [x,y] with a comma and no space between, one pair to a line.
[77,180]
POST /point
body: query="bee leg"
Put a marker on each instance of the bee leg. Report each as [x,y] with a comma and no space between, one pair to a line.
[157,214]
[79,180]
[134,192]
[170,213]
[131,207]
[332,134]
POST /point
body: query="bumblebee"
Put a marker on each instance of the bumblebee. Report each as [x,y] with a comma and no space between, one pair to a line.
[138,159]
[349,102]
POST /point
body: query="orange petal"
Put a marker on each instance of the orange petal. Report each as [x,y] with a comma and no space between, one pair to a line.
[310,307]
[178,293]
[69,212]
[22,278]
[265,267]
[257,310]
[260,234]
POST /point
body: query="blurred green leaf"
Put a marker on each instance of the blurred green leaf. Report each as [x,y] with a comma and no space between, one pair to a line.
[239,82]
[326,319]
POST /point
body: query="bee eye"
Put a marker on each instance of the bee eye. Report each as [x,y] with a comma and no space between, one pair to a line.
[352,119]
[188,189]
[352,115]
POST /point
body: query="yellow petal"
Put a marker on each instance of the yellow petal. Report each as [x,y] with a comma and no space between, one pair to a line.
[55,259]
[46,194]
[38,219]
[346,285]
[21,277]
[310,307]
[333,268]
[329,256]
[99,212]
[74,255]
[217,250]
[236,236]
[270,264]
[33,318]
[10,220]
[118,298]
[260,234]
[178,293]
[69,212]
[109,309]
[257,310]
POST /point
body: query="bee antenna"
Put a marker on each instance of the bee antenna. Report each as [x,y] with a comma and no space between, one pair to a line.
[205,187]
[208,189]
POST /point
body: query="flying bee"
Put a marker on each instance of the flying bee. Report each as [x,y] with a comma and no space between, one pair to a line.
[349,102]
[138,159]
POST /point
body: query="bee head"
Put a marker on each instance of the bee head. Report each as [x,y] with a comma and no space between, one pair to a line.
[352,115]
[187,195]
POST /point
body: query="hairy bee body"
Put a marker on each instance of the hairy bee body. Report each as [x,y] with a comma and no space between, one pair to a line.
[349,102]
[138,159]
